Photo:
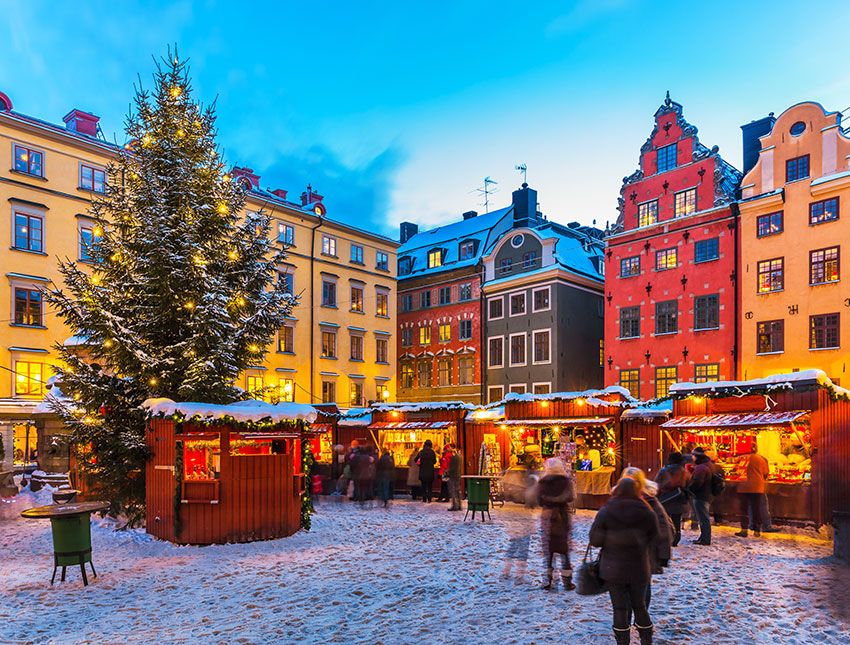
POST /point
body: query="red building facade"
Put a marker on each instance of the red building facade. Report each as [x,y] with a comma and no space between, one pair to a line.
[671,286]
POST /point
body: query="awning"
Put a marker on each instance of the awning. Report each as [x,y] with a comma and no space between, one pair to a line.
[319,428]
[739,420]
[571,421]
[411,425]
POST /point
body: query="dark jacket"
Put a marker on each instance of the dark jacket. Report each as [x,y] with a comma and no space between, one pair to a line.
[701,480]
[663,544]
[386,467]
[427,460]
[455,466]
[554,494]
[360,462]
[625,529]
[672,479]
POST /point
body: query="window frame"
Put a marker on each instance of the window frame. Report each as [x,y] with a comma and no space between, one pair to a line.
[630,309]
[29,150]
[652,213]
[713,243]
[511,362]
[466,250]
[328,391]
[448,363]
[26,314]
[768,217]
[435,258]
[356,342]
[824,263]
[444,332]
[665,379]
[465,367]
[818,323]
[28,377]
[464,322]
[511,297]
[506,265]
[382,356]
[538,384]
[822,203]
[690,205]
[31,215]
[356,254]
[548,290]
[330,297]
[767,268]
[382,261]
[797,163]
[357,298]
[286,234]
[424,335]
[493,388]
[329,334]
[662,259]
[659,316]
[382,302]
[501,301]
[706,378]
[624,383]
[282,339]
[407,370]
[666,156]
[704,297]
[460,291]
[633,261]
[425,299]
[548,359]
[356,392]
[407,337]
[329,246]
[447,291]
[94,170]
[771,333]
[425,365]
[501,342]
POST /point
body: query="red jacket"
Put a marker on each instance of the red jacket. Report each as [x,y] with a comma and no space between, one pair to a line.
[444,463]
[757,472]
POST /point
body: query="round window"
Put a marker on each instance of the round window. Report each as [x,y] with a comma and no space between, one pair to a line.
[517,240]
[798,128]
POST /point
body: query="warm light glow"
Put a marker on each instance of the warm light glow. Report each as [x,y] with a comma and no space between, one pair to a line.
[545,404]
[287,388]
[189,305]
[232,255]
[580,401]
[152,380]
[107,343]
[226,178]
[198,259]
[147,140]
[181,132]
[222,208]
[97,231]
[95,280]
[176,91]
[386,394]
[253,348]
[240,301]
[610,451]
[394,414]
[115,256]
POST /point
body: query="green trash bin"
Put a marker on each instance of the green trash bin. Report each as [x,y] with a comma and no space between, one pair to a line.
[477,496]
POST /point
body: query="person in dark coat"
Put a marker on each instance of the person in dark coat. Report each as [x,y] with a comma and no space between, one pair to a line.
[455,469]
[360,463]
[386,477]
[413,474]
[626,529]
[555,491]
[427,460]
[673,482]
[700,488]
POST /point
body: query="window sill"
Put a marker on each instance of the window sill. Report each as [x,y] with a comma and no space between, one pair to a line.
[767,293]
[382,316]
[382,269]
[381,363]
[289,245]
[21,326]
[357,311]
[706,261]
[821,284]
[628,338]
[285,353]
[624,277]
[358,263]
[537,311]
[657,270]
[665,333]
[27,174]
[329,358]
[823,349]
[761,237]
[825,221]
[770,353]
[707,329]
[356,360]
[465,339]
[15,248]
[324,306]
[330,255]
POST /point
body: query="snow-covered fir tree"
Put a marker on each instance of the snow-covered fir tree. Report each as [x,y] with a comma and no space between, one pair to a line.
[181,294]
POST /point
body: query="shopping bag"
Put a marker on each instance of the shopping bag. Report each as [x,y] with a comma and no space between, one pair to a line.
[588,582]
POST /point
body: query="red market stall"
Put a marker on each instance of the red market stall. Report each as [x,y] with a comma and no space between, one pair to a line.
[487,441]
[320,436]
[642,437]
[225,473]
[800,423]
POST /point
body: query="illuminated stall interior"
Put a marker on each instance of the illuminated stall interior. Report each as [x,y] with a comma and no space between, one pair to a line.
[402,437]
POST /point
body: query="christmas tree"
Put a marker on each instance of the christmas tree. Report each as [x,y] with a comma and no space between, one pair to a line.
[182,293]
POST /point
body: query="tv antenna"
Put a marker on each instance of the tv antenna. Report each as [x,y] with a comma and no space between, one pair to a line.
[524,170]
[487,190]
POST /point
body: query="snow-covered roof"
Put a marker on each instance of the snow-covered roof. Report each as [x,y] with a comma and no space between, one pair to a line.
[422,406]
[487,414]
[574,250]
[657,410]
[590,396]
[355,417]
[774,382]
[240,411]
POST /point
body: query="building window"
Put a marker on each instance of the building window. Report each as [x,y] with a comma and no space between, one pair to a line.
[630,379]
[464,292]
[495,308]
[465,370]
[356,254]
[770,336]
[328,392]
[630,322]
[769,224]
[93,179]
[825,210]
[541,388]
[630,267]
[29,232]
[382,392]
[667,158]
[89,234]
[666,317]
[518,388]
[424,299]
[648,213]
[664,378]
[357,299]
[445,295]
[382,350]
[286,234]
[406,302]
[425,335]
[540,299]
[529,260]
[254,384]
[30,378]
[407,375]
[356,348]
[29,161]
[707,312]
[288,280]
[517,349]
[666,259]
[517,302]
[707,250]
[435,258]
[823,331]
[328,293]
[444,372]
[445,332]
[328,344]
[355,393]
[542,348]
[286,390]
[685,203]
[407,337]
[466,250]
[382,304]
[707,372]
[405,266]
[286,340]
[495,393]
[382,261]
[505,265]
[28,307]
[771,275]
[328,245]
[465,330]
[601,352]
[496,352]
[425,375]
[797,168]
[824,265]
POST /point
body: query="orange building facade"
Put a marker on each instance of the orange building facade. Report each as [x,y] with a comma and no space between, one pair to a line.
[795,307]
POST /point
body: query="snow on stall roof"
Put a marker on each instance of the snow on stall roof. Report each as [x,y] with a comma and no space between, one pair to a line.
[421,406]
[657,410]
[590,395]
[774,382]
[487,414]
[240,411]
[355,417]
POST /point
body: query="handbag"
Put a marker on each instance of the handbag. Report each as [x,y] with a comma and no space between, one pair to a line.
[677,495]
[588,582]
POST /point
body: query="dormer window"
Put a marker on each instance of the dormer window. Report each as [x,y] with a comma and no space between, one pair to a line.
[466,250]
[667,158]
[405,266]
[435,258]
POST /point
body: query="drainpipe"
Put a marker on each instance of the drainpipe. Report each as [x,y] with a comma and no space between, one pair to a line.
[482,337]
[313,307]
[736,236]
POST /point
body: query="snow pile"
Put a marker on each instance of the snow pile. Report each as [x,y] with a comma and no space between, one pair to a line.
[774,382]
[241,411]
[52,397]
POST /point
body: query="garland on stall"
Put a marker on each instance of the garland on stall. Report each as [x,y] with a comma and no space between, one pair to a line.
[307,463]
[178,487]
[264,424]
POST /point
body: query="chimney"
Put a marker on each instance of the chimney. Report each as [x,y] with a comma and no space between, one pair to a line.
[751,133]
[82,122]
[309,196]
[525,206]
[280,192]
[246,177]
[407,230]
[470,214]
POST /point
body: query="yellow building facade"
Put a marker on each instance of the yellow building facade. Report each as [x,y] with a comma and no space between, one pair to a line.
[338,345]
[795,303]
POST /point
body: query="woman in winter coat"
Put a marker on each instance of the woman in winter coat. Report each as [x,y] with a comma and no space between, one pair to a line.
[555,491]
[626,529]
[427,460]
[413,474]
[386,477]
[673,482]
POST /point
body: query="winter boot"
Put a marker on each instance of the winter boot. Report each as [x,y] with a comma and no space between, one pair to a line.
[567,579]
[623,636]
[741,533]
[757,533]
[645,634]
[547,581]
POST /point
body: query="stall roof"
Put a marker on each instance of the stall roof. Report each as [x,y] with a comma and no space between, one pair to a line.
[738,420]
[422,406]
[240,411]
[569,421]
[660,410]
[411,425]
[591,396]
[803,378]
[487,414]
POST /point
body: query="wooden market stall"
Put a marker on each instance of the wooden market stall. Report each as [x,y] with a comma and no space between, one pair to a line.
[320,436]
[224,473]
[800,422]
[642,437]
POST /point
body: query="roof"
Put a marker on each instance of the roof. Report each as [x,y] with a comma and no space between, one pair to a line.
[590,396]
[411,425]
[569,421]
[738,420]
[60,129]
[574,249]
[240,412]
[422,406]
[484,229]
[802,379]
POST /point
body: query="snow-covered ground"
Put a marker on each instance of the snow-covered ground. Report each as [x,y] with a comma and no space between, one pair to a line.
[410,574]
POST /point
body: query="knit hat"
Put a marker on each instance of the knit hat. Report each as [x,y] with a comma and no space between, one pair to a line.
[554,466]
[650,488]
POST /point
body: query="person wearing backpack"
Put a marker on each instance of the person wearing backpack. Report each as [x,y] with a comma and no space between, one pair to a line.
[704,482]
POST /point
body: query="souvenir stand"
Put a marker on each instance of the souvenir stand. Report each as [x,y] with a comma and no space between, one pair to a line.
[488,447]
[320,437]
[799,422]
[225,473]
[642,445]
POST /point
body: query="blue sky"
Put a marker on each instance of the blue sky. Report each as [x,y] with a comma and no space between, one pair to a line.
[398,110]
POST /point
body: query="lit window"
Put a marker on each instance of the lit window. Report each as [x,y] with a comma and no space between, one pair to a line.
[93,179]
[630,267]
[254,386]
[286,390]
[382,392]
[382,306]
[28,307]
[425,335]
[771,275]
[707,372]
[29,161]
[465,370]
[328,344]
[407,375]
[824,265]
[444,372]
[30,378]
[648,213]
[666,259]
[328,392]
[630,379]
[445,332]
[664,378]
[685,203]
[435,258]
[356,348]
[770,336]
[328,245]
[357,299]
[286,340]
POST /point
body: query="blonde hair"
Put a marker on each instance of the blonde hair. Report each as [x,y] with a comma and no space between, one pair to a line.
[637,475]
